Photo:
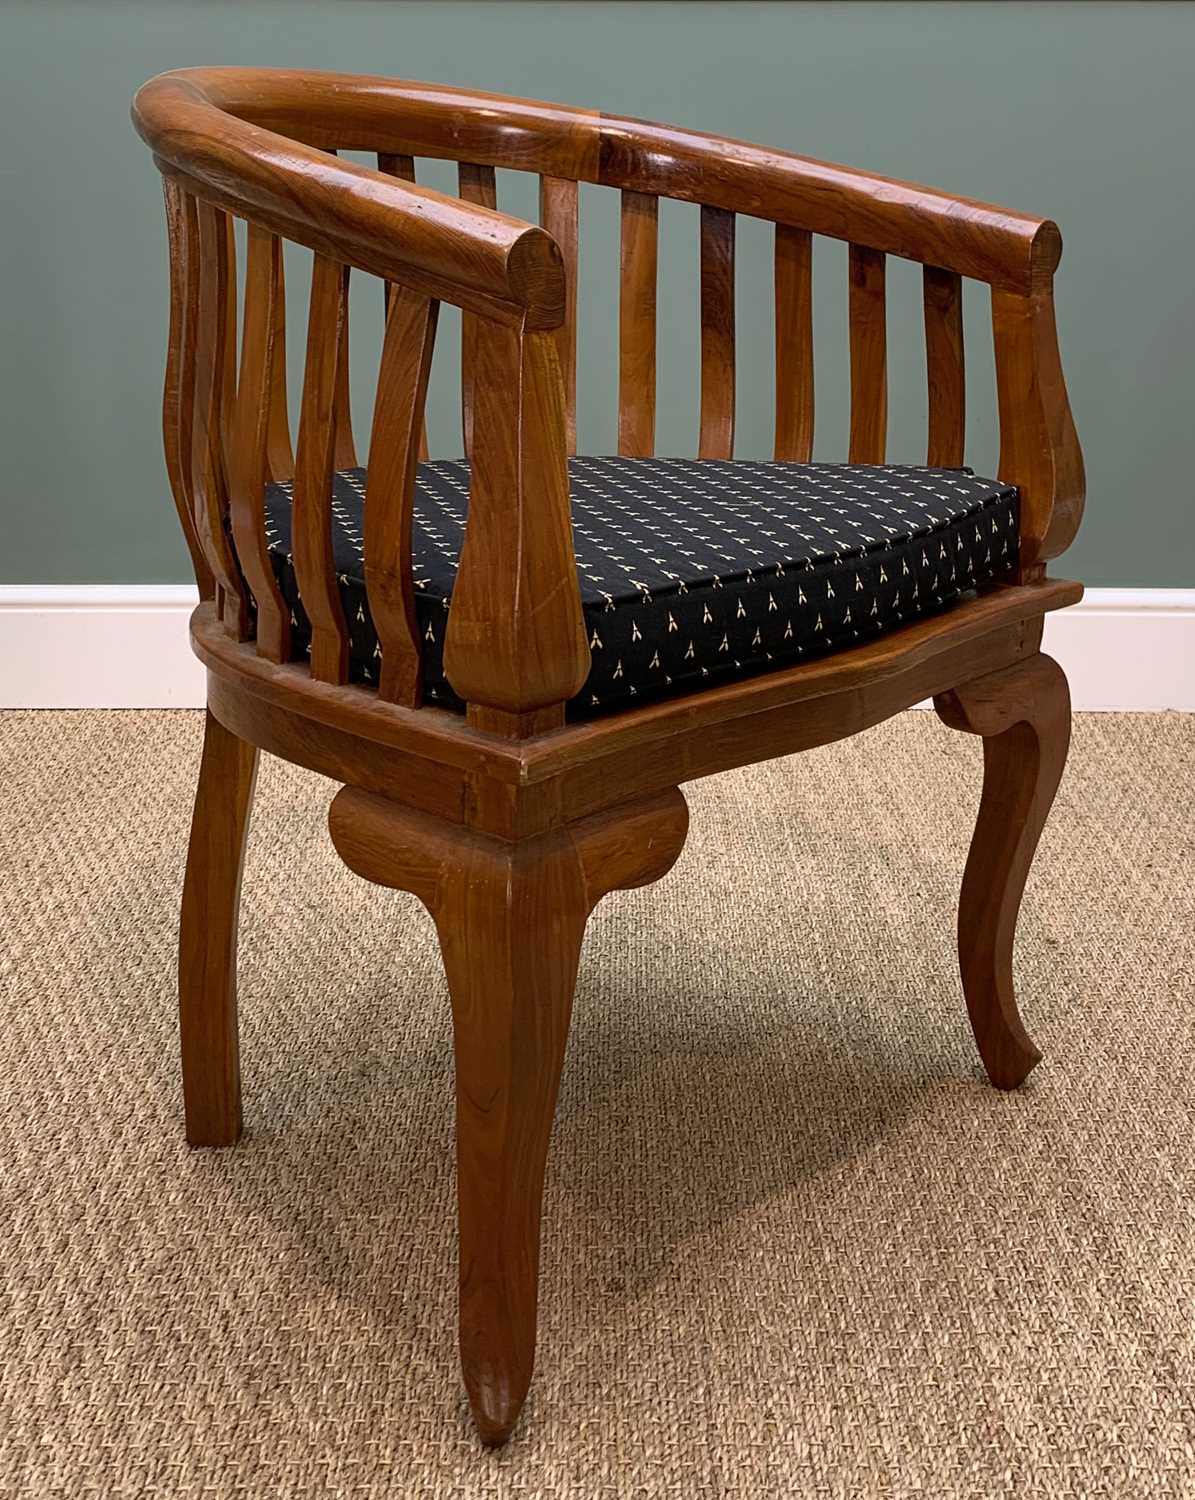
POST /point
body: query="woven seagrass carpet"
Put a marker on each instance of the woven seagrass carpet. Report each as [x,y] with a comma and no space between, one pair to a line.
[794,1245]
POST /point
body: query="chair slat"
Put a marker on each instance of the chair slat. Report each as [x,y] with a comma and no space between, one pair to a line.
[390,489]
[869,357]
[209,476]
[402,167]
[794,344]
[477,185]
[717,334]
[637,326]
[178,395]
[229,384]
[945,367]
[250,465]
[314,464]
[396,164]
[346,449]
[558,205]
[345,454]
[280,455]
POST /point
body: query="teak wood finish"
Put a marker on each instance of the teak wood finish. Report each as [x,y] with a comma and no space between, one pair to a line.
[510,823]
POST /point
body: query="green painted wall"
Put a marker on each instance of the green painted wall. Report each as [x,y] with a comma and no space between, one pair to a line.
[1085,112]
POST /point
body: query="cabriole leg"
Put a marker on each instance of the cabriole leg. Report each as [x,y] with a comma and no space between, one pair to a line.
[510,917]
[1024,716]
[510,928]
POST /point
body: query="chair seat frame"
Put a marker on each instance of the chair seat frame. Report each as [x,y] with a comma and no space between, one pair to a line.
[510,822]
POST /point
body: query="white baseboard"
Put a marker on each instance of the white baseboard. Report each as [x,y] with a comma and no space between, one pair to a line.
[125,646]
[1127,649]
[98,646]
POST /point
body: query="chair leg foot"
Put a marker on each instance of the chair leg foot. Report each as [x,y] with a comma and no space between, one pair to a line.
[1023,714]
[510,918]
[208,938]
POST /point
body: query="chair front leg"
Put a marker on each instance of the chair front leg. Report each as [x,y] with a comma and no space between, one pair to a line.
[510,918]
[510,924]
[1024,716]
[207,951]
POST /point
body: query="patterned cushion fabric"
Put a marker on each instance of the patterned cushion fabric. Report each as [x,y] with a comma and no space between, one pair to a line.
[697,571]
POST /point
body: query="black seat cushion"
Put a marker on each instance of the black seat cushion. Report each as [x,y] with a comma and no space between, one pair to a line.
[696,571]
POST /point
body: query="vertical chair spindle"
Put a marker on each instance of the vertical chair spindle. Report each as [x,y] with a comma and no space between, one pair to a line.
[558,202]
[869,357]
[251,463]
[311,520]
[794,344]
[345,454]
[346,450]
[945,367]
[209,477]
[390,490]
[229,384]
[280,455]
[477,185]
[717,334]
[637,326]
[178,394]
[395,164]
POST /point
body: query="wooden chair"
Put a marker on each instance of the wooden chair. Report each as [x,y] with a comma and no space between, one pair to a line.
[515,801]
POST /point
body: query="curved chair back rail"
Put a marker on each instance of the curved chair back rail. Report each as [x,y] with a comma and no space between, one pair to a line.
[259,144]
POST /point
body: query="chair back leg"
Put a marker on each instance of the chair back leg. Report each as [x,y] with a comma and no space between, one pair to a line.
[207,956]
[1024,716]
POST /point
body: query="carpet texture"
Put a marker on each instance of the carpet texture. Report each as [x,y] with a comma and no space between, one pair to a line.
[794,1245]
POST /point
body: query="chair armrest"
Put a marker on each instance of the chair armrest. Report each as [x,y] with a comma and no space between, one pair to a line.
[474,257]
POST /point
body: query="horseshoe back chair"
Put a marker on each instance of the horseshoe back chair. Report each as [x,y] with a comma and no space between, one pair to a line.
[618,625]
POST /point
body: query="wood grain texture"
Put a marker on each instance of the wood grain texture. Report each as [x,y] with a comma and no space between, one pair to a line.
[869,357]
[558,213]
[794,344]
[1024,716]
[344,449]
[178,394]
[228,384]
[261,111]
[717,334]
[207,993]
[390,490]
[478,259]
[249,468]
[311,519]
[918,223]
[477,185]
[510,918]
[397,164]
[209,474]
[945,367]
[280,455]
[399,116]
[402,166]
[1039,449]
[637,326]
[515,641]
